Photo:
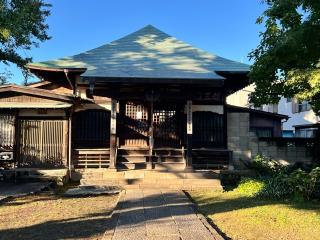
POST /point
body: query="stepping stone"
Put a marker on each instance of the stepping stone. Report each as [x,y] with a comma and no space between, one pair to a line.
[92,190]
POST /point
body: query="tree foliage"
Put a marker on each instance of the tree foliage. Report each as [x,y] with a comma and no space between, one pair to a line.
[22,26]
[287,60]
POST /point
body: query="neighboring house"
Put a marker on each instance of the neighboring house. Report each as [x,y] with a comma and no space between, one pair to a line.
[302,121]
[262,123]
[145,101]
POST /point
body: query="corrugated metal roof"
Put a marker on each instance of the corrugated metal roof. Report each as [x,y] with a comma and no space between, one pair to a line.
[148,53]
[13,105]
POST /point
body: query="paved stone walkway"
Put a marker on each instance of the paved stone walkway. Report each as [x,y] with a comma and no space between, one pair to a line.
[156,214]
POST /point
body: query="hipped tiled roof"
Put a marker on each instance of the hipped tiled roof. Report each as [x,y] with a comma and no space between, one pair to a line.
[147,53]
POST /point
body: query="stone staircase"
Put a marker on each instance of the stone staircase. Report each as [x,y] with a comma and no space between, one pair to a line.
[162,159]
[151,179]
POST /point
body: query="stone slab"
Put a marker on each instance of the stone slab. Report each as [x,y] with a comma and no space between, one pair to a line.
[91,190]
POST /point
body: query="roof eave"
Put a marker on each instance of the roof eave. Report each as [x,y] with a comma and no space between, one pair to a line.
[56,69]
[277,115]
[35,92]
[146,80]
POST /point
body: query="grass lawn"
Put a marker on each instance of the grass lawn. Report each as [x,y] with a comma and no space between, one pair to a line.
[54,217]
[248,218]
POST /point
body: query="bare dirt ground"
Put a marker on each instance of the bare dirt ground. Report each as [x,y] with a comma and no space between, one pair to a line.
[49,216]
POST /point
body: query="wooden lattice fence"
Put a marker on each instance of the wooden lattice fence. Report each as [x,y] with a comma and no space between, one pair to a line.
[42,143]
[7,131]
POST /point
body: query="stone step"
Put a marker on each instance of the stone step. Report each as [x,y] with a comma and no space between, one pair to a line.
[184,184]
[153,181]
[150,174]
[169,166]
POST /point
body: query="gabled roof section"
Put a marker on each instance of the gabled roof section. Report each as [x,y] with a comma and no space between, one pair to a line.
[147,53]
[36,92]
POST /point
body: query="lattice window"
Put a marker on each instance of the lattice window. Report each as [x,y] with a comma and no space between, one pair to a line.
[162,116]
[137,112]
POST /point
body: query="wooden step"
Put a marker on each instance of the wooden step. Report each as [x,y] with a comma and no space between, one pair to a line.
[132,159]
[132,166]
[211,158]
[168,158]
[167,152]
[133,151]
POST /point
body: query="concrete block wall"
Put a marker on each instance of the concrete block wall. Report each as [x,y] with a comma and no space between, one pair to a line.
[246,145]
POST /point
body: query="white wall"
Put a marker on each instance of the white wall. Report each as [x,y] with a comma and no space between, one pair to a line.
[241,99]
[300,118]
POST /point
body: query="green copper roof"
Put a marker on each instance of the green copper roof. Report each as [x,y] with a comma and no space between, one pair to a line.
[148,53]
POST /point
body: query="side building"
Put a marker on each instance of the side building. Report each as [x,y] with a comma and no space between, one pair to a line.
[302,122]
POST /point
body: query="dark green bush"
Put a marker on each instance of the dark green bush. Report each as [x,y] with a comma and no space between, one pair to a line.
[276,187]
[298,184]
[266,166]
[230,180]
[305,185]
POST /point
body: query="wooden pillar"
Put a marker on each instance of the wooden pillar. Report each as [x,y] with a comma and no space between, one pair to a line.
[113,134]
[151,139]
[189,134]
[16,145]
[70,143]
[225,121]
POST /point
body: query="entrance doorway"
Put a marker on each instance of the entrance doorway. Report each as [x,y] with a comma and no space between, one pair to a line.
[168,126]
[135,122]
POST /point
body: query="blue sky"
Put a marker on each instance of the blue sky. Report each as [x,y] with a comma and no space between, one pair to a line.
[223,27]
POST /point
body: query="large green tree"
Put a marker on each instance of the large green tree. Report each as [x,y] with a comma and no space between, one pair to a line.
[287,60]
[22,26]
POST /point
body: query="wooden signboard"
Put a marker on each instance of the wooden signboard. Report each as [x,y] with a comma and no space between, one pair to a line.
[189,117]
[113,120]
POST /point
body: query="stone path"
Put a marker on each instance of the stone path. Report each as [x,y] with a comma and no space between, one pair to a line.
[156,214]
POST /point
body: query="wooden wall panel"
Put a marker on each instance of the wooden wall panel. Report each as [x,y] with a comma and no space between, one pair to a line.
[42,143]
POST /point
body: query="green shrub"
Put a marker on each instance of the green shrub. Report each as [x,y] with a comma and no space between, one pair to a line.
[315,178]
[276,187]
[250,187]
[266,166]
[305,185]
[298,184]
